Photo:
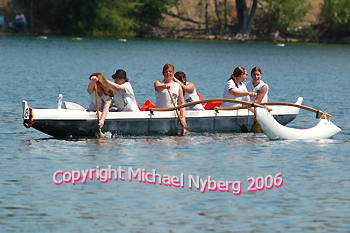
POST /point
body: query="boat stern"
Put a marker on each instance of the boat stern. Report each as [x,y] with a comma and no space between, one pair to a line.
[27,114]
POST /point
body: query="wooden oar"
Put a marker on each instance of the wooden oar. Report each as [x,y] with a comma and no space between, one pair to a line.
[178,114]
[232,108]
[211,100]
[256,127]
[98,114]
[318,112]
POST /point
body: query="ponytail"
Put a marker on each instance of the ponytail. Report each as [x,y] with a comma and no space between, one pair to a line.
[234,79]
[236,73]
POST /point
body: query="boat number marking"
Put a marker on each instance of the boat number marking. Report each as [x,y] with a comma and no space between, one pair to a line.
[26,114]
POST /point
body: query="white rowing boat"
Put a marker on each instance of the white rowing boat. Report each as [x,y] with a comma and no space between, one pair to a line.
[74,120]
[274,130]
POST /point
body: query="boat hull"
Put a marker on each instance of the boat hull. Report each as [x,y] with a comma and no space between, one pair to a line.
[84,128]
[81,123]
[151,124]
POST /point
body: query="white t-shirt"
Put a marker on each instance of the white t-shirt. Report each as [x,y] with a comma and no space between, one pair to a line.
[193,97]
[163,99]
[101,101]
[126,101]
[251,88]
[21,18]
[227,95]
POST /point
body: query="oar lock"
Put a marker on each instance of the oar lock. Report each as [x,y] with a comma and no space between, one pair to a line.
[320,114]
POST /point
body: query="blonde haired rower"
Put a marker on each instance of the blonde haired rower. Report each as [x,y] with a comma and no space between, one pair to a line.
[163,99]
[104,94]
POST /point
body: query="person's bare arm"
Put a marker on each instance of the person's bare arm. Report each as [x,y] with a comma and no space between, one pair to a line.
[262,94]
[116,86]
[91,86]
[181,101]
[238,93]
[189,88]
[105,112]
[158,86]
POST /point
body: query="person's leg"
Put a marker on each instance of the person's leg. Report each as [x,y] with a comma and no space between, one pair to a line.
[20,26]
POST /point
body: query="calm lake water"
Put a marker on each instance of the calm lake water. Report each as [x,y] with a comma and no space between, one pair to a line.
[314,195]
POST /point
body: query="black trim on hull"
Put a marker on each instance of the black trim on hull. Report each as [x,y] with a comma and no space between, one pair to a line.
[155,126]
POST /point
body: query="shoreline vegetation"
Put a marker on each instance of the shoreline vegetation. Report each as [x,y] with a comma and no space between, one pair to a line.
[277,21]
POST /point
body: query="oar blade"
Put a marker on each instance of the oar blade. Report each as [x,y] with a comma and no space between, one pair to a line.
[99,133]
[182,132]
[256,128]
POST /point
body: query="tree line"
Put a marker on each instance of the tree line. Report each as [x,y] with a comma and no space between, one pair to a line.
[128,18]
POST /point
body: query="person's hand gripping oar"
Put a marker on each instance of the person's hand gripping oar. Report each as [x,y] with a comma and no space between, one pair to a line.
[178,115]
[98,113]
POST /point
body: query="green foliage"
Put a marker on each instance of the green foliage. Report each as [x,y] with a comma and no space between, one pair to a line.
[111,19]
[150,13]
[280,15]
[335,16]
[88,18]
[101,17]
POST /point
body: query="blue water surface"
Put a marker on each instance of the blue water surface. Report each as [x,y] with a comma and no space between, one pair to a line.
[314,196]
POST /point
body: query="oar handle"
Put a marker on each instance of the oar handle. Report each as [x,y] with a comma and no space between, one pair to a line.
[232,108]
[254,108]
[319,113]
[97,112]
[244,103]
[177,111]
